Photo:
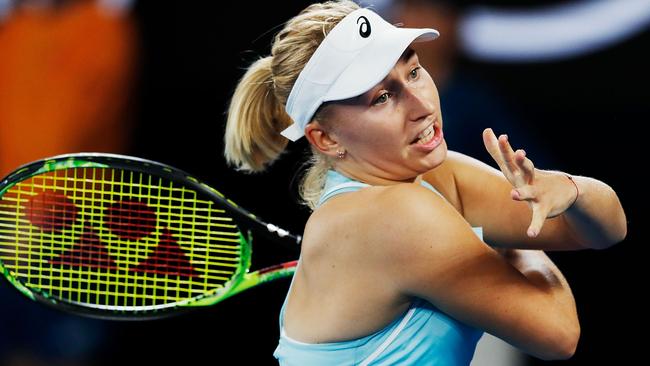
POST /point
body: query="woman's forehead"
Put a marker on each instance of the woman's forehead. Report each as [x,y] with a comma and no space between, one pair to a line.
[405,58]
[362,99]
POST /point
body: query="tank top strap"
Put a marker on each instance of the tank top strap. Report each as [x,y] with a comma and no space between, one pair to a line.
[336,183]
[428,185]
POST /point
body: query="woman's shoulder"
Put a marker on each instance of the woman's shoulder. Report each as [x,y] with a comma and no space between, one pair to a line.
[386,228]
[410,213]
[374,209]
[367,200]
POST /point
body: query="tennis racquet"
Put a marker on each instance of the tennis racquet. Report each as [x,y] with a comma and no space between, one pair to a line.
[119,237]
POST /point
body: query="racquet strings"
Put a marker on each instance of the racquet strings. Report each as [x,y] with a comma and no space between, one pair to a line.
[116,239]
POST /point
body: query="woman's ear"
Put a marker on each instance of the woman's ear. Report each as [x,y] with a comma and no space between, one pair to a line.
[321,139]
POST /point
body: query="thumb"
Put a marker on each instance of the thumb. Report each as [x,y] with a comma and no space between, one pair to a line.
[539,216]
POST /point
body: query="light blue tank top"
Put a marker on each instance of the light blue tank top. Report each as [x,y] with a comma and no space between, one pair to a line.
[423,335]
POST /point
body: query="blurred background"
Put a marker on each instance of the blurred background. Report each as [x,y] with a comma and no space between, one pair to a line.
[566,80]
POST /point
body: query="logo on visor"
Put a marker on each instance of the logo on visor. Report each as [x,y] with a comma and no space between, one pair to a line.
[364,28]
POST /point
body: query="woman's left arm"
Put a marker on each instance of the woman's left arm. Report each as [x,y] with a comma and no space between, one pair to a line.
[596,219]
[522,207]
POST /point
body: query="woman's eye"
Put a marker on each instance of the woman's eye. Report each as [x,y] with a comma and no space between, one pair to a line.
[414,73]
[382,99]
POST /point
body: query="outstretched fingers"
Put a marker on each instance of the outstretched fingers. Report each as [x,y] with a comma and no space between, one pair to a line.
[507,153]
[525,165]
[493,148]
[520,171]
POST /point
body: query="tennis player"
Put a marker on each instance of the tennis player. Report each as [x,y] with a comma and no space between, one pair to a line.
[412,251]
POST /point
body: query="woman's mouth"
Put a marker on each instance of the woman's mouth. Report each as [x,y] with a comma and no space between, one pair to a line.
[425,136]
[430,138]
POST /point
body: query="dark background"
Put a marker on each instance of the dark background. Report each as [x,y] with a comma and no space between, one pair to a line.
[586,115]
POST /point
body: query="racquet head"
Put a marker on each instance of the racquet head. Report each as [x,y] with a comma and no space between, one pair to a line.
[118,237]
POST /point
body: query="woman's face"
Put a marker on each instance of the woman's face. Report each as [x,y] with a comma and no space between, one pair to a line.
[379,130]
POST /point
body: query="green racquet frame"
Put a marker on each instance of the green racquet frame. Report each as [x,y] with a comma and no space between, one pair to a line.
[119,237]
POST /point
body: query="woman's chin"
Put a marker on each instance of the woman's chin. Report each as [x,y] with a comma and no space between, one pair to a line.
[436,156]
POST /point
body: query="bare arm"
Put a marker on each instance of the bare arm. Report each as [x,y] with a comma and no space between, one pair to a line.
[488,199]
[445,263]
[542,272]
[597,219]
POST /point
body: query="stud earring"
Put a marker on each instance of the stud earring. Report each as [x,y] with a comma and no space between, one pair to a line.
[341,153]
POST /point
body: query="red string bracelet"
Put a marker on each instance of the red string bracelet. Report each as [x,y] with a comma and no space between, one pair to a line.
[577,190]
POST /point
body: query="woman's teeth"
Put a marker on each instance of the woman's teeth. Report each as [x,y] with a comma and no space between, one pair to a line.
[426,135]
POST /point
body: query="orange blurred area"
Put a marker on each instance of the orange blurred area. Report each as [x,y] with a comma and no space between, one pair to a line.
[65,78]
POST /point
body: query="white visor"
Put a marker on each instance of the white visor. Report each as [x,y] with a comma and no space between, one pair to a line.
[355,56]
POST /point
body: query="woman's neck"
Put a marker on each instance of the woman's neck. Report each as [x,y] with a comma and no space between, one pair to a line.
[373,179]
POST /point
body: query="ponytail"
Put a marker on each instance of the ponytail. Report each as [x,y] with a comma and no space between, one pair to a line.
[255,119]
[256,114]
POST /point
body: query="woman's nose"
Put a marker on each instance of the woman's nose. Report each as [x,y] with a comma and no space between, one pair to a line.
[419,105]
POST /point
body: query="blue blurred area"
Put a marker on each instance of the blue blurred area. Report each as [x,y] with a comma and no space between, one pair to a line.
[35,334]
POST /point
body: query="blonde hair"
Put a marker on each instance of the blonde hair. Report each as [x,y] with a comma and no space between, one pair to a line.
[256,113]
